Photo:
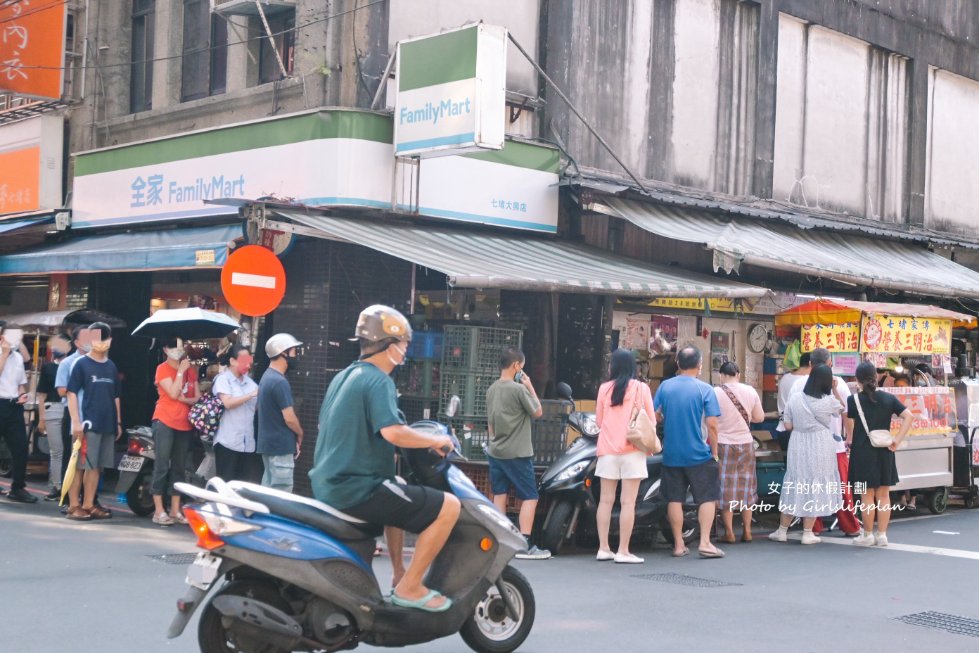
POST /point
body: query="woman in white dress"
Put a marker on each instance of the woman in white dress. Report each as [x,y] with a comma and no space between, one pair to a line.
[811,487]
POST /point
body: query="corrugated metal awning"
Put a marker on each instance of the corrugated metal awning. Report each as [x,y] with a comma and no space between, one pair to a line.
[479,259]
[842,257]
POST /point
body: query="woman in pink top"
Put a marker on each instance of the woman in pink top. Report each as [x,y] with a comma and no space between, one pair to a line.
[617,459]
[740,406]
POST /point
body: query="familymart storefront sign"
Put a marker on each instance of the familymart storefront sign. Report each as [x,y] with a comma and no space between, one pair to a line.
[320,158]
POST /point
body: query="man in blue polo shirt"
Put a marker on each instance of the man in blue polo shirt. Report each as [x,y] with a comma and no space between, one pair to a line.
[684,404]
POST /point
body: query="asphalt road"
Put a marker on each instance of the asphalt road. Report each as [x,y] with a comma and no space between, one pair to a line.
[105,587]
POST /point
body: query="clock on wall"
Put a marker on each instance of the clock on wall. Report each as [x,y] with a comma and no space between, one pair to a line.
[758,338]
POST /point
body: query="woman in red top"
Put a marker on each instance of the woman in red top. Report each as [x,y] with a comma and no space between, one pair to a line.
[176,382]
[617,459]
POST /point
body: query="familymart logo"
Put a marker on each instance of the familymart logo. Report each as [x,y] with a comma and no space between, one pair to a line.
[433,112]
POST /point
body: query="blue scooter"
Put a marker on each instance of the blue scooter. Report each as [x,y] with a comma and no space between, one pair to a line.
[289,573]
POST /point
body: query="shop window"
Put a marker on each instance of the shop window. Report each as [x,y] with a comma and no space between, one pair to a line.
[141,58]
[205,52]
[283,29]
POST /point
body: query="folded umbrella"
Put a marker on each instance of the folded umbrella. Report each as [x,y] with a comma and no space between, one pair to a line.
[72,470]
[189,323]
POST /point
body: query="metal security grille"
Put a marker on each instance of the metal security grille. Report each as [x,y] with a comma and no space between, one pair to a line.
[173,558]
[950,623]
[689,581]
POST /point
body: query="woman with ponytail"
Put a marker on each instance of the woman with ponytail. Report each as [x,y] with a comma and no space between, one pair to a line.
[873,468]
[617,459]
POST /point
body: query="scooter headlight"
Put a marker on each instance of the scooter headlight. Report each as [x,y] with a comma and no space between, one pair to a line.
[497,517]
[589,426]
[572,471]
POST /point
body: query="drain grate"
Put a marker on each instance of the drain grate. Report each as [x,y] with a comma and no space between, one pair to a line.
[174,558]
[941,621]
[689,581]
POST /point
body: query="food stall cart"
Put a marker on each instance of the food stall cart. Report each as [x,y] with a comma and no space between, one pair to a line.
[912,342]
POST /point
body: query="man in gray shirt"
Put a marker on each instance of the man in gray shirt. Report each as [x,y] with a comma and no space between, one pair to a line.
[511,404]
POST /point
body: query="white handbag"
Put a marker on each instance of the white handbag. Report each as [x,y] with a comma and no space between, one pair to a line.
[881,438]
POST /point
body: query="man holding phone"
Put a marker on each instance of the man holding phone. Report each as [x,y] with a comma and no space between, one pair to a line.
[511,404]
[13,396]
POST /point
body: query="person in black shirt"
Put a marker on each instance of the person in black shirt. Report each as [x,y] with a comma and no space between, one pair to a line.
[873,469]
[50,411]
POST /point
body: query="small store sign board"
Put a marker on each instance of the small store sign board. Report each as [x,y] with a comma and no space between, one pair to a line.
[905,335]
[31,155]
[843,337]
[32,48]
[451,92]
[934,409]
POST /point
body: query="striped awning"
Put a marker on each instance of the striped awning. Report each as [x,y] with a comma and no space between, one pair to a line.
[484,259]
[845,257]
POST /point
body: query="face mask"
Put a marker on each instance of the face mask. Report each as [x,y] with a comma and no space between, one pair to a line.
[101,347]
[391,358]
[57,353]
[292,363]
[244,364]
[87,348]
[175,354]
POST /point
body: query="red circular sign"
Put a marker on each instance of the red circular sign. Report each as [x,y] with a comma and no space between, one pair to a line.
[253,280]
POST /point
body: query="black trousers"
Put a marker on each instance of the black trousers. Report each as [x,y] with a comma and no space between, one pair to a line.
[13,430]
[231,465]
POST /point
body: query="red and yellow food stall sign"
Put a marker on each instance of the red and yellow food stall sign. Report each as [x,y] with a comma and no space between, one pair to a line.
[837,338]
[905,335]
[32,47]
[933,409]
[20,180]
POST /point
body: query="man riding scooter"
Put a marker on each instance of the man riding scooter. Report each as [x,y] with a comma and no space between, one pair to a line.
[353,468]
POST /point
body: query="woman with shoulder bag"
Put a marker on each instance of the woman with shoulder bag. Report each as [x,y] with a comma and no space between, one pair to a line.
[740,406]
[872,464]
[618,460]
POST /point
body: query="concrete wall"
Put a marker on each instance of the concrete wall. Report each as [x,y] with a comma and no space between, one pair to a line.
[841,123]
[669,83]
[953,153]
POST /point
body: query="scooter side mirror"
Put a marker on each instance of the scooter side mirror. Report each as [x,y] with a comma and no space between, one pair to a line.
[564,391]
[454,404]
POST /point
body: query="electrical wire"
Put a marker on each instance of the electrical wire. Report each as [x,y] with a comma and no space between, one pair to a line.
[207,49]
[7,4]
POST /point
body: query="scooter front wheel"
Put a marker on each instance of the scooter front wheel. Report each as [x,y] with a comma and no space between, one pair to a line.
[491,629]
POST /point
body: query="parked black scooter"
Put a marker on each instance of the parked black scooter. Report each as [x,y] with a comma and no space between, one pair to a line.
[572,490]
[136,468]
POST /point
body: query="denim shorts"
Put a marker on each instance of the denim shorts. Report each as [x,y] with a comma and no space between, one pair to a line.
[513,472]
[703,481]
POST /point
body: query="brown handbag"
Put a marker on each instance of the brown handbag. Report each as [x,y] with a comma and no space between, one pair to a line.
[641,432]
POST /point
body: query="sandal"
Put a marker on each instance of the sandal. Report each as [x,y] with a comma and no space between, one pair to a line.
[79,514]
[98,512]
[422,603]
[682,553]
[179,518]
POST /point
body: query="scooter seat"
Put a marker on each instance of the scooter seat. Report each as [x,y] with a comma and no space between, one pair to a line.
[308,511]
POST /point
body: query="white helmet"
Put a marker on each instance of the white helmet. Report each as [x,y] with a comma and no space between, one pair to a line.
[279,344]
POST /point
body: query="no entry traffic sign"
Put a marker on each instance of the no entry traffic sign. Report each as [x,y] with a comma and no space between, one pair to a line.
[253,280]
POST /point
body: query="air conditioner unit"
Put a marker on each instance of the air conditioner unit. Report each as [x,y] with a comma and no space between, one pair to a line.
[250,7]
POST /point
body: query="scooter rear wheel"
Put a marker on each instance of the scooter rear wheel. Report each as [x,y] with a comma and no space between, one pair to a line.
[138,496]
[490,629]
[213,637]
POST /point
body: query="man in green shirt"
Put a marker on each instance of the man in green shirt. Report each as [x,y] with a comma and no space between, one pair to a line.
[353,465]
[511,404]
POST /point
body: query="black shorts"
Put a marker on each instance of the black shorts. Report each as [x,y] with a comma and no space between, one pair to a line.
[410,507]
[703,481]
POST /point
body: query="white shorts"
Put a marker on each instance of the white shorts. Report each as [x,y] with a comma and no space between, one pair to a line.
[622,465]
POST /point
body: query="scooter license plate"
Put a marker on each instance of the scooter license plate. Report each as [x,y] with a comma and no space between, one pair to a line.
[131,463]
[203,570]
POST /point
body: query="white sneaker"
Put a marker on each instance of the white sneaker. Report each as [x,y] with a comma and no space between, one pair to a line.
[778,535]
[603,556]
[627,559]
[864,539]
[809,538]
[881,539]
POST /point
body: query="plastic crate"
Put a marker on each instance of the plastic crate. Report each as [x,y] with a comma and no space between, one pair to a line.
[426,345]
[415,408]
[473,434]
[477,349]
[419,378]
[470,387]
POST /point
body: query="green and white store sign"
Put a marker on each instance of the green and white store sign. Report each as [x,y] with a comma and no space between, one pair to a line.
[451,92]
[320,158]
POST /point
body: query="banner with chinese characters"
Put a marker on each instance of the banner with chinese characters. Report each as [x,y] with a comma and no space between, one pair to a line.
[933,409]
[905,335]
[32,48]
[843,337]
[31,158]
